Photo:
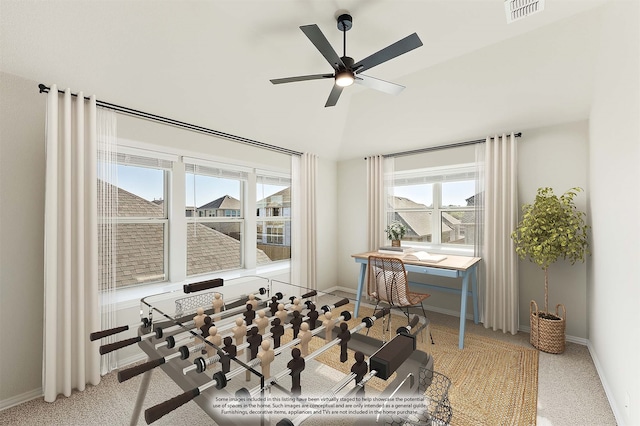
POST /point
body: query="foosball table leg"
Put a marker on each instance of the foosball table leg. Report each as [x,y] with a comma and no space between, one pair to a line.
[142,393]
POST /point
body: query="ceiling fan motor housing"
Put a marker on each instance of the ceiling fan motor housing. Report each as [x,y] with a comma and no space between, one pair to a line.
[345,22]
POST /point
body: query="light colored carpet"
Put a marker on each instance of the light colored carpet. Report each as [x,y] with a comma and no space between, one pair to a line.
[569,391]
[493,382]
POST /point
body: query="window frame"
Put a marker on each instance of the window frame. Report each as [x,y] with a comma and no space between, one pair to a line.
[132,157]
[435,176]
[175,249]
[265,177]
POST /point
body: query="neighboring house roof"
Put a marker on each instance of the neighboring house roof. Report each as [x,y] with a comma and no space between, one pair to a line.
[225,202]
[281,198]
[139,253]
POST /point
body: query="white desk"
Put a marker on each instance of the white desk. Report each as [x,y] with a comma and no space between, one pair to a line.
[464,267]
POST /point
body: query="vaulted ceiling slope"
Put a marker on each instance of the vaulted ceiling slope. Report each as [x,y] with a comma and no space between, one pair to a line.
[209,63]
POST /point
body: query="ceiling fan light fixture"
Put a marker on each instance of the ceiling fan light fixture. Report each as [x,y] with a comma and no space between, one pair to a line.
[344,78]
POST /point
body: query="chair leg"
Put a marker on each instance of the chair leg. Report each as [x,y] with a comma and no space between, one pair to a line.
[425,316]
[374,312]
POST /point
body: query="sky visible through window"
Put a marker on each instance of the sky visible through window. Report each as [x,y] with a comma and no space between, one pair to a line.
[148,184]
[453,193]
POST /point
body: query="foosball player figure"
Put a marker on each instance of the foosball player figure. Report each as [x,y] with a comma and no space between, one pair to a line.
[239,331]
[296,305]
[274,305]
[217,305]
[359,368]
[328,325]
[305,337]
[254,340]
[249,314]
[295,322]
[253,301]
[296,365]
[230,351]
[266,356]
[313,316]
[344,336]
[261,322]
[214,338]
[204,329]
[277,331]
[282,314]
[198,320]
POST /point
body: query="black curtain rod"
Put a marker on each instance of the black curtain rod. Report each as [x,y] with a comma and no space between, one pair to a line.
[439,147]
[180,124]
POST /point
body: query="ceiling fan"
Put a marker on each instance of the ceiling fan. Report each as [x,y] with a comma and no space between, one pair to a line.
[346,72]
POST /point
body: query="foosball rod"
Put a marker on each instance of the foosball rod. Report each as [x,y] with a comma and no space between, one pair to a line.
[154,413]
[220,381]
[180,326]
[309,411]
[227,323]
[157,333]
[366,322]
[200,364]
[146,323]
[190,334]
[183,353]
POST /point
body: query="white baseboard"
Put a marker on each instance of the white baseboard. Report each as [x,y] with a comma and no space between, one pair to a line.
[132,359]
[569,338]
[19,399]
[607,389]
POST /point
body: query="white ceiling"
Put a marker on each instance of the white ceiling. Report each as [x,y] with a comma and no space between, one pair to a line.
[209,63]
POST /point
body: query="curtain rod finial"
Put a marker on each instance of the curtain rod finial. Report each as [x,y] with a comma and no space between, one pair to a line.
[43,88]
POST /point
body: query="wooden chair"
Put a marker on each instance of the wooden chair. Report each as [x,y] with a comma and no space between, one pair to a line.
[387,282]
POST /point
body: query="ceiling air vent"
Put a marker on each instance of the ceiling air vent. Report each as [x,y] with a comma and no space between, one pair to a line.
[518,9]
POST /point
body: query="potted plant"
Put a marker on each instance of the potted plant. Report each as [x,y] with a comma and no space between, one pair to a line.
[395,231]
[551,228]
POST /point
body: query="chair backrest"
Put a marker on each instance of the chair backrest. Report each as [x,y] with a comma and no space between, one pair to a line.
[387,280]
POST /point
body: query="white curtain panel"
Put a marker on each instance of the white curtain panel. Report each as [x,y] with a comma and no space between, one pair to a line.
[500,295]
[107,183]
[304,172]
[376,202]
[71,305]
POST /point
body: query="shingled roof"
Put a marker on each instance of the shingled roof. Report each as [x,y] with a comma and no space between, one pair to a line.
[139,247]
[226,202]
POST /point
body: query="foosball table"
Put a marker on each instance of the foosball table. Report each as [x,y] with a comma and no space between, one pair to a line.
[255,351]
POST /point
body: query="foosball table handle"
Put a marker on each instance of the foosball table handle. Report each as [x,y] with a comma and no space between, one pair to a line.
[110,347]
[139,369]
[157,411]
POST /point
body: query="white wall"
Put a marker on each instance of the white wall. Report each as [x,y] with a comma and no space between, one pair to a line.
[556,157]
[551,156]
[22,181]
[614,178]
[22,112]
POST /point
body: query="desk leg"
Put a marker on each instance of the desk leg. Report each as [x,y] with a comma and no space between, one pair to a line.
[363,271]
[474,291]
[463,309]
[142,393]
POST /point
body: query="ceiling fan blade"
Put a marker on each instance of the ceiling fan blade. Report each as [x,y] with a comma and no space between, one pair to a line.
[322,44]
[377,84]
[396,49]
[301,78]
[334,95]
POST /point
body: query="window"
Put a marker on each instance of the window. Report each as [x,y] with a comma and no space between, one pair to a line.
[134,192]
[215,221]
[165,217]
[273,223]
[437,205]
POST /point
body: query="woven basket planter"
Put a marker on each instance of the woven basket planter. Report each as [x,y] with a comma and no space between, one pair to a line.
[547,335]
